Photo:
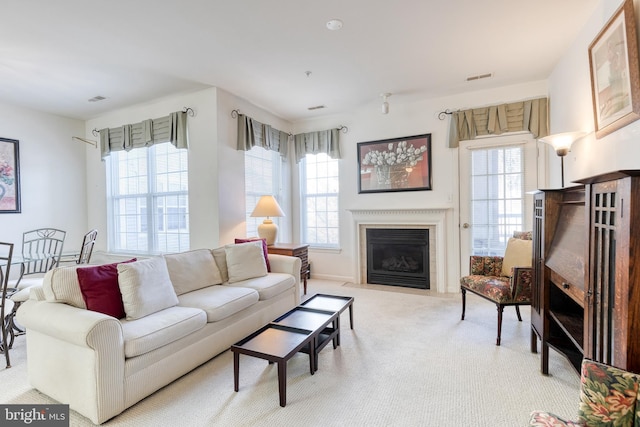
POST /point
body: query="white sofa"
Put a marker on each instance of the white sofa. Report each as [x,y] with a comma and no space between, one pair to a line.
[101,365]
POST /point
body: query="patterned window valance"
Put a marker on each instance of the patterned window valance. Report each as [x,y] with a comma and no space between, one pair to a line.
[252,133]
[171,128]
[531,115]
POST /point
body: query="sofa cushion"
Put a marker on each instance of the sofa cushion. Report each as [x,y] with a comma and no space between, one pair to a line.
[100,290]
[268,286]
[220,302]
[192,270]
[146,287]
[160,328]
[265,250]
[518,254]
[61,284]
[220,255]
[245,261]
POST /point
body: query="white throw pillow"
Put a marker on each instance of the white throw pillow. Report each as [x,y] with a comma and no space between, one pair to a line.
[192,270]
[518,254]
[145,287]
[245,261]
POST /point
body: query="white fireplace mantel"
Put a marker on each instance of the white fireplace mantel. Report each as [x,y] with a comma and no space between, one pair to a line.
[434,219]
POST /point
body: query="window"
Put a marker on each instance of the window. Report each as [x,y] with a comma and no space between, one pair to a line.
[497,197]
[148,200]
[262,173]
[319,189]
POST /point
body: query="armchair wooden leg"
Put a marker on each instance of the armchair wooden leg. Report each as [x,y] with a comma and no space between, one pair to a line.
[464,300]
[518,312]
[500,310]
[534,341]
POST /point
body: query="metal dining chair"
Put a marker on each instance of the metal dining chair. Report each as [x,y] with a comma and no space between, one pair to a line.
[6,255]
[41,251]
[86,250]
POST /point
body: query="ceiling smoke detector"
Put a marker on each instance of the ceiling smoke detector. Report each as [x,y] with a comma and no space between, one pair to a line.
[334,24]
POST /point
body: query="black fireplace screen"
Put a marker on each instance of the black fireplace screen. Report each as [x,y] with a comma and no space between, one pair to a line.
[398,257]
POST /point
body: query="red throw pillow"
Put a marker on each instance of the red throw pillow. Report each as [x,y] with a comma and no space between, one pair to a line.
[264,249]
[100,290]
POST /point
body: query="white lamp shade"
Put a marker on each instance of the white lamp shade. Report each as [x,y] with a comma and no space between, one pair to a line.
[561,142]
[267,206]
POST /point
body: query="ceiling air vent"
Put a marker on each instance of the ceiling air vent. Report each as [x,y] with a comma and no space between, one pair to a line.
[479,76]
[97,98]
[317,107]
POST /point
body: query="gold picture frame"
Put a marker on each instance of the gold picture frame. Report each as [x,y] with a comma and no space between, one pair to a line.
[615,75]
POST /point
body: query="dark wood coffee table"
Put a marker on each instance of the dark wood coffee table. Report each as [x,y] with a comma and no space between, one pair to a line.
[332,303]
[277,344]
[307,328]
[323,325]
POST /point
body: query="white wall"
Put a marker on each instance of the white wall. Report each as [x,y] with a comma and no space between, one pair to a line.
[572,110]
[216,168]
[406,117]
[203,174]
[231,168]
[52,175]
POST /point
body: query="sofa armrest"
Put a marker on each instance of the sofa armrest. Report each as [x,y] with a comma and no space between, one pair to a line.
[67,323]
[287,264]
[75,356]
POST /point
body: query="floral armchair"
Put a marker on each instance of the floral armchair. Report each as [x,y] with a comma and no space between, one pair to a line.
[608,397]
[504,280]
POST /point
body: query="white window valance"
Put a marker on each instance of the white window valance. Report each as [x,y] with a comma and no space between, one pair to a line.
[171,128]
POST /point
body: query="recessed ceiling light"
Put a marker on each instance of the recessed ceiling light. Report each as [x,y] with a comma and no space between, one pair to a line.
[334,24]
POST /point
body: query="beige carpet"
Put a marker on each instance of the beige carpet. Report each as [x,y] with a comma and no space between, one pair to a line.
[410,361]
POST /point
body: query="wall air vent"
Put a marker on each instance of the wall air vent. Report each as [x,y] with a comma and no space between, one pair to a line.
[479,76]
[97,98]
[317,107]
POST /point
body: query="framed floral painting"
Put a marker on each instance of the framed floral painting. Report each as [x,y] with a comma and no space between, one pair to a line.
[9,176]
[398,164]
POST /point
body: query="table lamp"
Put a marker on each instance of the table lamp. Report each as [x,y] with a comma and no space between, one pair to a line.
[268,207]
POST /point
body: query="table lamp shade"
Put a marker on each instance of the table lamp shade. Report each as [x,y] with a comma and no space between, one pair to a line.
[267,207]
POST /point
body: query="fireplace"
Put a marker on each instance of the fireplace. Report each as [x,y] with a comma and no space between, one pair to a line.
[398,257]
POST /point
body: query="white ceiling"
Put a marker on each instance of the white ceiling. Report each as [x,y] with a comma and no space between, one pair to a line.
[55,55]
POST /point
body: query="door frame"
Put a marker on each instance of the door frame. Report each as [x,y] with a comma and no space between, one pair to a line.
[532,147]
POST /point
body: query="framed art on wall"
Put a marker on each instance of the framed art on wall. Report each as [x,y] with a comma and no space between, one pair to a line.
[9,176]
[615,76]
[398,164]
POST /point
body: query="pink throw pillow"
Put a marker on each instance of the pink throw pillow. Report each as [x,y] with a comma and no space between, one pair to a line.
[264,249]
[100,290]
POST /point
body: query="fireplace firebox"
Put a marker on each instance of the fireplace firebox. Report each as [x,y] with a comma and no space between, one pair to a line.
[398,257]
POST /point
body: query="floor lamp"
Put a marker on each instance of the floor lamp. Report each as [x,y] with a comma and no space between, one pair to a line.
[561,143]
